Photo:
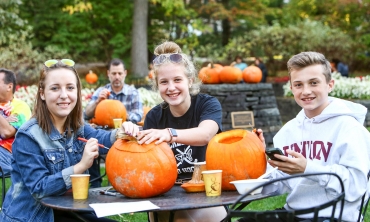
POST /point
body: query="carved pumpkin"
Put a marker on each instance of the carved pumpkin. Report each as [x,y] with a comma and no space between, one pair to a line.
[210,74]
[141,171]
[91,77]
[252,74]
[230,74]
[238,153]
[107,110]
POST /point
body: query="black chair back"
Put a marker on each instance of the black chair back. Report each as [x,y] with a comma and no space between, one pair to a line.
[288,215]
[363,207]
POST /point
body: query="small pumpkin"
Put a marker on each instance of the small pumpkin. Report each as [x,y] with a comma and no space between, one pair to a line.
[210,74]
[252,74]
[230,74]
[91,77]
[151,74]
[238,153]
[141,171]
[107,110]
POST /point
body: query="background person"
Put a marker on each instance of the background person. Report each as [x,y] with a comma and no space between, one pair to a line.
[341,67]
[46,149]
[258,62]
[186,119]
[326,136]
[238,63]
[13,113]
[117,90]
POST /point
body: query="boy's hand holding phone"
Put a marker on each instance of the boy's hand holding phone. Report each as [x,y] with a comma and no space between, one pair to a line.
[271,151]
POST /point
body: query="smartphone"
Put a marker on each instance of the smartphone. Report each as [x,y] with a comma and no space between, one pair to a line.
[271,151]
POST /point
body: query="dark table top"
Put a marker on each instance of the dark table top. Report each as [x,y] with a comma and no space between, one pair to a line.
[175,199]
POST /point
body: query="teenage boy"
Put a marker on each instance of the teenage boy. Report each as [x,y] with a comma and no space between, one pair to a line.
[327,135]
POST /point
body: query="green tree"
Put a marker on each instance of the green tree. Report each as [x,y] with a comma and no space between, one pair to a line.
[16,51]
[269,41]
[89,30]
[139,51]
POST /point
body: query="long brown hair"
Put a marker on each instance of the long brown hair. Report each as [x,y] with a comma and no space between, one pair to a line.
[41,112]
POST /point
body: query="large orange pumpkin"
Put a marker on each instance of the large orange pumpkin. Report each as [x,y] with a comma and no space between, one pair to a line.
[210,74]
[91,77]
[141,171]
[107,110]
[238,153]
[252,74]
[230,74]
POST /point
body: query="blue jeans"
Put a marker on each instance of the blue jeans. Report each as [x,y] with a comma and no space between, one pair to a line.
[5,160]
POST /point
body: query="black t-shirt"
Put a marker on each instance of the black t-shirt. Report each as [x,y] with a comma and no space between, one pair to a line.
[203,107]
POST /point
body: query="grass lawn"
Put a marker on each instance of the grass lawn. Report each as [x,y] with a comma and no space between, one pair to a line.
[265,204]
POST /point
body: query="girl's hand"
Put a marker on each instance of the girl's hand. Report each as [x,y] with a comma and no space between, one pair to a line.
[148,136]
[91,151]
[130,129]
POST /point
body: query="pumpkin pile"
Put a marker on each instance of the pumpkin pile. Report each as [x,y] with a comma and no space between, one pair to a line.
[216,74]
[141,171]
[107,110]
[238,153]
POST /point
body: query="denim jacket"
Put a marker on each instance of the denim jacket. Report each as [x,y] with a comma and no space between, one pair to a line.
[42,167]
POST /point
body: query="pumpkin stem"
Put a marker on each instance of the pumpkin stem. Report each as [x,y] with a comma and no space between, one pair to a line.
[210,65]
[123,136]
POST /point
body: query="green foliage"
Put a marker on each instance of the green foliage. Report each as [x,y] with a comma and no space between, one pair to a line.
[16,52]
[89,31]
[286,41]
[11,25]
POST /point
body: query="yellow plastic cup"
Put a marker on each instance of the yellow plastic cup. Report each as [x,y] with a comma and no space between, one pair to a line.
[80,186]
[117,123]
[212,181]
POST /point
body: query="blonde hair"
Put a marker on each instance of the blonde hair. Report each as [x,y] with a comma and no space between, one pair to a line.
[304,59]
[191,73]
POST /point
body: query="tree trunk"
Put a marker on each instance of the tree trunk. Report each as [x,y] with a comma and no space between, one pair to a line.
[139,51]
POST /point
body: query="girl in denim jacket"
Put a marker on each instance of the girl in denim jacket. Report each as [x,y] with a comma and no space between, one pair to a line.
[46,150]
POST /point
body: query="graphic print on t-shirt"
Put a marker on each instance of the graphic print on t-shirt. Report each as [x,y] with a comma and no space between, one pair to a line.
[185,158]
